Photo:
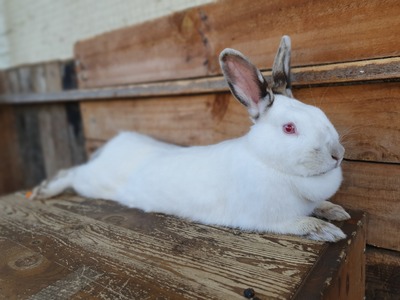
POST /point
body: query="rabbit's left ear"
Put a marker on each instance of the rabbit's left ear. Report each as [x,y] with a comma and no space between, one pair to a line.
[281,69]
[246,82]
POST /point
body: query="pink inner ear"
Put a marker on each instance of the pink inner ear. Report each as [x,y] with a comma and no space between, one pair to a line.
[244,78]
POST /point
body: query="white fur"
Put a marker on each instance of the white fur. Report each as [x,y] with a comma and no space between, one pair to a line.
[265,181]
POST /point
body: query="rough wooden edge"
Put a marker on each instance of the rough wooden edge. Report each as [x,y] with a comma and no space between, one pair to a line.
[321,281]
[339,73]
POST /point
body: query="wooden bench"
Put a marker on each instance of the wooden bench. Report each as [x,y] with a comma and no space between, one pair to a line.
[75,248]
[349,70]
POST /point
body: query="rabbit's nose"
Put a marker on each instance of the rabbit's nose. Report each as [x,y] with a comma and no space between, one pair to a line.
[337,153]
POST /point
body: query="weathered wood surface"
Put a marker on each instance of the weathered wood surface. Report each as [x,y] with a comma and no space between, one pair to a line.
[382,274]
[374,188]
[187,44]
[338,73]
[37,140]
[77,248]
[366,116]
[10,162]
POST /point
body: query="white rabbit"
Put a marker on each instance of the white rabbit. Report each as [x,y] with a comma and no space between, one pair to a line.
[271,179]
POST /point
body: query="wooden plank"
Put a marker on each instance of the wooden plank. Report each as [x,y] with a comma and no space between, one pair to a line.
[76,142]
[11,164]
[383,274]
[366,116]
[29,145]
[12,82]
[374,188]
[3,84]
[347,72]
[74,117]
[129,254]
[53,76]
[338,73]
[349,281]
[187,44]
[52,119]
[54,138]
[40,139]
[191,120]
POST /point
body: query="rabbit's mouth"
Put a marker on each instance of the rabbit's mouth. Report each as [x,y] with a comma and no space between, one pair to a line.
[323,172]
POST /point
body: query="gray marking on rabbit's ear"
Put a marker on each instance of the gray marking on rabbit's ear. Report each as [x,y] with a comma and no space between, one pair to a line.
[246,82]
[281,69]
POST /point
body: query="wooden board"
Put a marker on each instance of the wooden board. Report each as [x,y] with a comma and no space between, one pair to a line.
[199,120]
[78,248]
[187,44]
[10,162]
[39,139]
[366,116]
[382,274]
[374,188]
[372,70]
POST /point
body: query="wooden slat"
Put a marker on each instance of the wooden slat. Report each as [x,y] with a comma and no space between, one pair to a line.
[348,72]
[187,44]
[29,145]
[186,120]
[11,164]
[3,83]
[52,118]
[367,117]
[383,274]
[374,188]
[349,283]
[38,139]
[128,254]
[339,73]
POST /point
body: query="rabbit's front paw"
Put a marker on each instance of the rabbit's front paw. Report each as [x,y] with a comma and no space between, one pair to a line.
[39,192]
[330,211]
[318,230]
[325,231]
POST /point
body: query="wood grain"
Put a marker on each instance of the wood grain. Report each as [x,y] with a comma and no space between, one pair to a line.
[190,120]
[383,274]
[11,164]
[128,254]
[38,139]
[374,188]
[187,44]
[366,116]
[349,282]
[338,73]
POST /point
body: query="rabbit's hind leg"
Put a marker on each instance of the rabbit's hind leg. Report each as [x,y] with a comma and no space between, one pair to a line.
[54,186]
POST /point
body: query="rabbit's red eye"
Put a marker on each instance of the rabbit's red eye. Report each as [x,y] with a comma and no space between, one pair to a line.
[289,128]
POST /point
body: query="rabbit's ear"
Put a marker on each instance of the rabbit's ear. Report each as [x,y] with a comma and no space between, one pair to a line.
[281,69]
[246,82]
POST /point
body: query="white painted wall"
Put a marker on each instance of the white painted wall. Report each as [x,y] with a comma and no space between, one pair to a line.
[4,45]
[42,30]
